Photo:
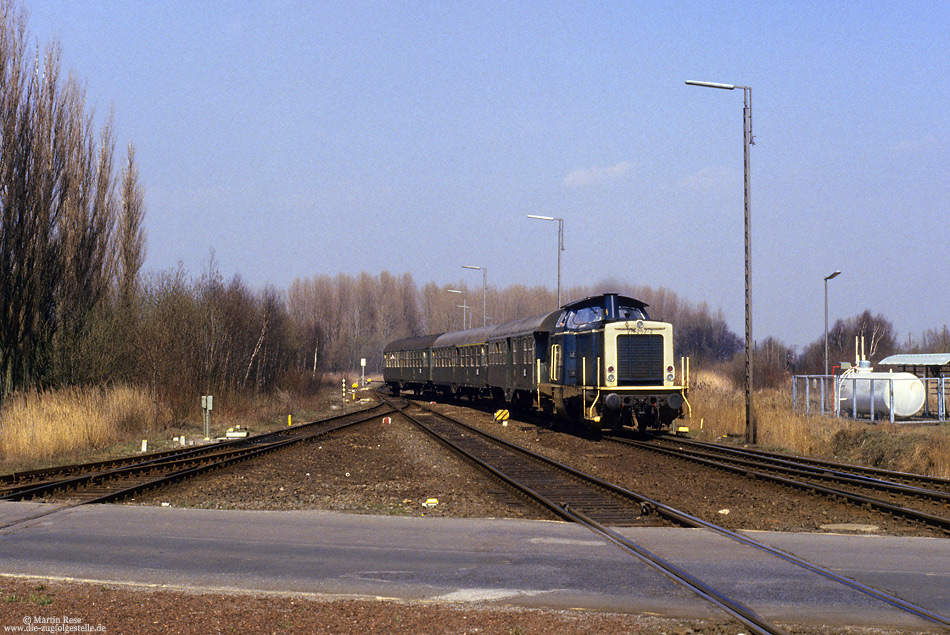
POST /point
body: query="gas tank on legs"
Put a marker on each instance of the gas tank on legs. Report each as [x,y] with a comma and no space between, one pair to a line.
[860,388]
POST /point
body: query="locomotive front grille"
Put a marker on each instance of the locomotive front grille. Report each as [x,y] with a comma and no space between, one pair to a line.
[640,360]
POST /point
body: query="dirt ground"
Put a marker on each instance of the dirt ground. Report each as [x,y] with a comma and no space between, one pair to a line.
[96,608]
[393,469]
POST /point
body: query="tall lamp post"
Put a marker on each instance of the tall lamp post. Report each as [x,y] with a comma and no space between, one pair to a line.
[830,276]
[560,248]
[464,306]
[484,271]
[751,435]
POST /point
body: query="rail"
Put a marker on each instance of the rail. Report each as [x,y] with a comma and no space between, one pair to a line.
[573,512]
[102,486]
[762,471]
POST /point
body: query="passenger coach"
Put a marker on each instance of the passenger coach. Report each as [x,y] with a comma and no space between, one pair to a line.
[600,360]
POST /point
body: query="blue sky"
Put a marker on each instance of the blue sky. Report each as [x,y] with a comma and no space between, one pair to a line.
[302,138]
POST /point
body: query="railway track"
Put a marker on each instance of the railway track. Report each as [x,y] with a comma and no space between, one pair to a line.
[920,480]
[601,507]
[920,499]
[107,481]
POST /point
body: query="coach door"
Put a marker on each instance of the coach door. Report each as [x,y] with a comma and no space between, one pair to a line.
[509,362]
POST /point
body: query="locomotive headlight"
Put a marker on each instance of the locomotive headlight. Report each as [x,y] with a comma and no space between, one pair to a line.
[669,377]
[611,377]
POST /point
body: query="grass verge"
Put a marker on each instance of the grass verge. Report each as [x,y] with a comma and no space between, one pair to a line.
[42,426]
[718,409]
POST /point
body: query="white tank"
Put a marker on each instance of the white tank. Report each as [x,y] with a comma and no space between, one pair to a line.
[856,386]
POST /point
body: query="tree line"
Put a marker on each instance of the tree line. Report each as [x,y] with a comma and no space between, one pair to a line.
[71,238]
[343,318]
[74,307]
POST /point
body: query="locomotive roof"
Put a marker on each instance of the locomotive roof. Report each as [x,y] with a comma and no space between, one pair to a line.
[598,300]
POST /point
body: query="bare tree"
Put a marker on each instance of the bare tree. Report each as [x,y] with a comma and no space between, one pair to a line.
[131,234]
[32,168]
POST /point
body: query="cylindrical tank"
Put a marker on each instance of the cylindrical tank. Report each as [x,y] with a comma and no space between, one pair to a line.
[859,385]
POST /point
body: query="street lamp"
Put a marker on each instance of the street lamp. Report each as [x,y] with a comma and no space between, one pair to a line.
[464,306]
[560,248]
[747,140]
[830,276]
[484,271]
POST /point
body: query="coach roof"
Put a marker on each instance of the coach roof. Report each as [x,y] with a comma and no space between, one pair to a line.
[513,328]
[411,343]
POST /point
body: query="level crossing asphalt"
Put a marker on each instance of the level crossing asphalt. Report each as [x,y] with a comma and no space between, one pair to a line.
[499,561]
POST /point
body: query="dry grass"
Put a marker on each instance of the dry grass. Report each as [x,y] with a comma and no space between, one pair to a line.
[718,408]
[40,426]
[79,424]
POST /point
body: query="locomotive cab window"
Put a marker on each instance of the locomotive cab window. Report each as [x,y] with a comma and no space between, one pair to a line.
[632,313]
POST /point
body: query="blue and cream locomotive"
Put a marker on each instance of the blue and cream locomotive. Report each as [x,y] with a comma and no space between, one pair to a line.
[601,360]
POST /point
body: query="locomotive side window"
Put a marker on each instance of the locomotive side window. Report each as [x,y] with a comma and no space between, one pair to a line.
[586,316]
[582,317]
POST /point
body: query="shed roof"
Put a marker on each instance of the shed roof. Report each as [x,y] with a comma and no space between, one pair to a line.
[917,359]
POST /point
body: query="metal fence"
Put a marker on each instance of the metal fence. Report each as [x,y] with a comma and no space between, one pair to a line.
[819,394]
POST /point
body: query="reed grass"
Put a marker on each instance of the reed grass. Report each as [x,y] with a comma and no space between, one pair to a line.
[718,413]
[40,426]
